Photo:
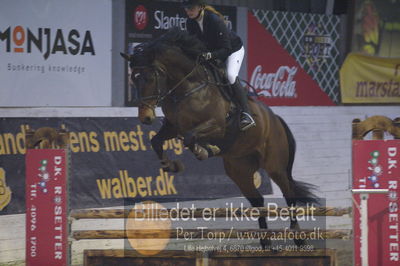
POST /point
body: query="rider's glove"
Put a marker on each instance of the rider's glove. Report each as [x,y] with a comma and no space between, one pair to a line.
[206,56]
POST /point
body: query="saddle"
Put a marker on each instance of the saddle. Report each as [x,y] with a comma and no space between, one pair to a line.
[218,72]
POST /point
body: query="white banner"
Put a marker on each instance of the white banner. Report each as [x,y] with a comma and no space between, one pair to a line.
[55,53]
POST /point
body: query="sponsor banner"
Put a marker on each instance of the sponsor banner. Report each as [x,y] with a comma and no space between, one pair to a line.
[369,79]
[5,191]
[54,48]
[376,29]
[146,20]
[276,76]
[46,207]
[375,165]
[112,160]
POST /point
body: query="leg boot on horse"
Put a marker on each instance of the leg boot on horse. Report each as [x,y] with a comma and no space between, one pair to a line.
[246,120]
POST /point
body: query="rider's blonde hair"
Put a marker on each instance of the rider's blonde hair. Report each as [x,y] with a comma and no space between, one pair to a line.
[213,10]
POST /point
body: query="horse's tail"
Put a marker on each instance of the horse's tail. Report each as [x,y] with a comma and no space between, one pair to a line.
[302,190]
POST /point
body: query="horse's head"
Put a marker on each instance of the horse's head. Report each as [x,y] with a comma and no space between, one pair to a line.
[160,66]
[148,80]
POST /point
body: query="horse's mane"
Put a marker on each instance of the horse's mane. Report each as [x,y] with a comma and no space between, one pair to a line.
[188,43]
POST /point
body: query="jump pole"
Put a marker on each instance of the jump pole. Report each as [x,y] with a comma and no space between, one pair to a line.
[364,194]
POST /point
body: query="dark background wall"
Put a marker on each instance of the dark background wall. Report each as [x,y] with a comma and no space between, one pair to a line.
[308,6]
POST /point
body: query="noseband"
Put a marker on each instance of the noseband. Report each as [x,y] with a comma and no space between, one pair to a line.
[143,100]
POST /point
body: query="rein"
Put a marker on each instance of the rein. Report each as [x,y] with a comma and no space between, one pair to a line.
[180,82]
[161,97]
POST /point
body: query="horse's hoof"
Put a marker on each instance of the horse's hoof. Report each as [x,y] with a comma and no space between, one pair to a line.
[299,242]
[266,244]
[166,169]
[165,163]
[274,250]
[200,153]
[177,166]
[215,150]
[202,156]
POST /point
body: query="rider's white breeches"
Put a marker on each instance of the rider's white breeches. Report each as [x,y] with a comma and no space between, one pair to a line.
[233,64]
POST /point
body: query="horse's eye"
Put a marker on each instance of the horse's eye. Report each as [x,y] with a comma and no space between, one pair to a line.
[137,75]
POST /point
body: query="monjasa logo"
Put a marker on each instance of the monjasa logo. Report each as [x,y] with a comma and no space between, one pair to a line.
[140,17]
[48,42]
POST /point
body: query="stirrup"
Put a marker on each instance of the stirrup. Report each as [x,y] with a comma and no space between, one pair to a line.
[246,121]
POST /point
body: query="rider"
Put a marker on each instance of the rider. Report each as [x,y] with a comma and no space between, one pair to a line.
[223,44]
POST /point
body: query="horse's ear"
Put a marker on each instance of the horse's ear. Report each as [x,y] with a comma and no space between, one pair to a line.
[126,56]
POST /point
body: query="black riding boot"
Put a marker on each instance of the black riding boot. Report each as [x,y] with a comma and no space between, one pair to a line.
[246,121]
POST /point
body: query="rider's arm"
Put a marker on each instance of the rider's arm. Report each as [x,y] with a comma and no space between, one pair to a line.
[222,36]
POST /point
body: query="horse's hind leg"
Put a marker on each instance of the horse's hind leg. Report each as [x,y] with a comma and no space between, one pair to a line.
[283,182]
[293,191]
[279,163]
[241,171]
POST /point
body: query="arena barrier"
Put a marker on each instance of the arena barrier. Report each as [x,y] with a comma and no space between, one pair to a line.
[115,257]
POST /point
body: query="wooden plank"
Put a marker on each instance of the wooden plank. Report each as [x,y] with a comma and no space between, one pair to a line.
[205,212]
[120,253]
[209,234]
[131,257]
[317,257]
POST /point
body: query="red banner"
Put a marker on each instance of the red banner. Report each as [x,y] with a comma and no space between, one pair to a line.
[375,165]
[46,208]
[275,74]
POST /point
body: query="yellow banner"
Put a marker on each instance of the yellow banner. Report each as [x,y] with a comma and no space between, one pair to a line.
[369,79]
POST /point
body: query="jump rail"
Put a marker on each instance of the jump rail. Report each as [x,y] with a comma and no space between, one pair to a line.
[213,233]
[200,212]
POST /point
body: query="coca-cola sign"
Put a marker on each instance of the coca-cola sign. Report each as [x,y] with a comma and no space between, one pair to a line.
[278,84]
[276,76]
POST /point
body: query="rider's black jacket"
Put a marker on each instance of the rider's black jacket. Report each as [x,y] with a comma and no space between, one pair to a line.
[219,40]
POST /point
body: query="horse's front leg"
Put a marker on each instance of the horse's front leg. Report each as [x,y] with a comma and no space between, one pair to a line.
[166,132]
[189,140]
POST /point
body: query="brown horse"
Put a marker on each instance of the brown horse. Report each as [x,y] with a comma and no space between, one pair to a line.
[167,72]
